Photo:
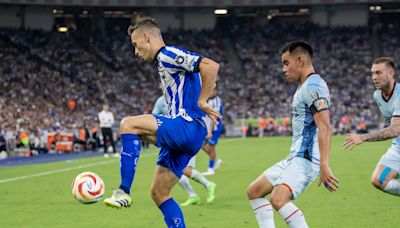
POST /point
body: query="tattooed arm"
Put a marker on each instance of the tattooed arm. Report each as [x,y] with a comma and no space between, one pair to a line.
[390,132]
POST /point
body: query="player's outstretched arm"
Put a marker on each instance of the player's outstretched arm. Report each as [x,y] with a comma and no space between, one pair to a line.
[324,141]
[390,132]
[208,71]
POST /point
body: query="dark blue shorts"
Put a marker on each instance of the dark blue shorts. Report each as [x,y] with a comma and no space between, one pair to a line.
[179,140]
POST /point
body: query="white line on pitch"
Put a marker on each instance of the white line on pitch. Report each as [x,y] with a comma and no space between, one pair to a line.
[64,170]
[82,166]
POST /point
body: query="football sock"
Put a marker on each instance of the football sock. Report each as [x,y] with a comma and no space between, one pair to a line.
[211,164]
[173,215]
[392,187]
[185,184]
[264,213]
[196,175]
[130,153]
[293,216]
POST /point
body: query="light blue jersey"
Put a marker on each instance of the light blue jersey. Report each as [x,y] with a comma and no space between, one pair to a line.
[181,82]
[160,107]
[312,96]
[217,105]
[390,108]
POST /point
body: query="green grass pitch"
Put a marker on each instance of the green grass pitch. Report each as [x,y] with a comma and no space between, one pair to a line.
[46,201]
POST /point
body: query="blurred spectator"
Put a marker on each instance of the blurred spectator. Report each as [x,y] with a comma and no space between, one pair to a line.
[106,119]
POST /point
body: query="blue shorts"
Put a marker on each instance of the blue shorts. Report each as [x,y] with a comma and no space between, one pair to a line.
[179,141]
[215,136]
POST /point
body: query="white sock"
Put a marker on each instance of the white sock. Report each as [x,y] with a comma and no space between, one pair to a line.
[196,175]
[293,216]
[185,184]
[263,211]
[392,187]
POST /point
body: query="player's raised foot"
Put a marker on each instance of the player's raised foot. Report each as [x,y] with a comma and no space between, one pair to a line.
[211,192]
[218,164]
[191,201]
[209,172]
[118,199]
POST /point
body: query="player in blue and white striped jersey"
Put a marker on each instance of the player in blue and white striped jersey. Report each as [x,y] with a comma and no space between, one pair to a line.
[387,96]
[309,153]
[190,171]
[209,145]
[187,80]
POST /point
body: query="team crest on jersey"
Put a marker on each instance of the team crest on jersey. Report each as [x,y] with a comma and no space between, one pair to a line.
[179,59]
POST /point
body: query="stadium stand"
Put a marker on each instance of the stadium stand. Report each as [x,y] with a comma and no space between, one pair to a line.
[48,70]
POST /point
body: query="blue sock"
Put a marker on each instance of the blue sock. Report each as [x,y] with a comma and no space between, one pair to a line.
[130,153]
[173,215]
[211,164]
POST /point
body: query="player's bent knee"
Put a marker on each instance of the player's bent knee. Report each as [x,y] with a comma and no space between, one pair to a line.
[253,192]
[278,202]
[127,125]
[375,182]
[250,194]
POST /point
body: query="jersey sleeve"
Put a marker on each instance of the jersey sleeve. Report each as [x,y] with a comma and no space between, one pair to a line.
[396,108]
[181,59]
[317,98]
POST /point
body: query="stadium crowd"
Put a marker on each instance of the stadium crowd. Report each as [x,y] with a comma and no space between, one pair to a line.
[59,81]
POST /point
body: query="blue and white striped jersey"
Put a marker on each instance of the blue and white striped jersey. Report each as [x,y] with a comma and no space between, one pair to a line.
[310,97]
[390,108]
[217,105]
[181,81]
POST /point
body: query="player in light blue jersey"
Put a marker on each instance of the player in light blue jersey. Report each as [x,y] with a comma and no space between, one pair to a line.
[187,81]
[387,96]
[160,108]
[210,144]
[309,153]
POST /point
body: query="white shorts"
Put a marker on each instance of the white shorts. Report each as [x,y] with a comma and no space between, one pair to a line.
[298,173]
[192,162]
[391,159]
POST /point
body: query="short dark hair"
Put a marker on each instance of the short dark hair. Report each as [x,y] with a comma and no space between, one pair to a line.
[298,45]
[387,60]
[143,22]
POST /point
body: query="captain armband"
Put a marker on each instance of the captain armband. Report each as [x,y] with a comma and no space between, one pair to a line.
[319,105]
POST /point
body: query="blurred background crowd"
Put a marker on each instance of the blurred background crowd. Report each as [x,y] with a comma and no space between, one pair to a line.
[54,82]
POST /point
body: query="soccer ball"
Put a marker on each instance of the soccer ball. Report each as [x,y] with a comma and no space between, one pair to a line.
[88,188]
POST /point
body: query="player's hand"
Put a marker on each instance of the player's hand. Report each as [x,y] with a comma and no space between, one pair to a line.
[326,176]
[352,140]
[214,115]
[209,135]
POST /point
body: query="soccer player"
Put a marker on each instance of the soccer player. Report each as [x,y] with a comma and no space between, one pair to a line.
[187,82]
[160,108]
[387,96]
[209,146]
[309,153]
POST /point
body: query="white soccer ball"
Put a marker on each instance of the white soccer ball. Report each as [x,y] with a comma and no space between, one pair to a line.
[88,187]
